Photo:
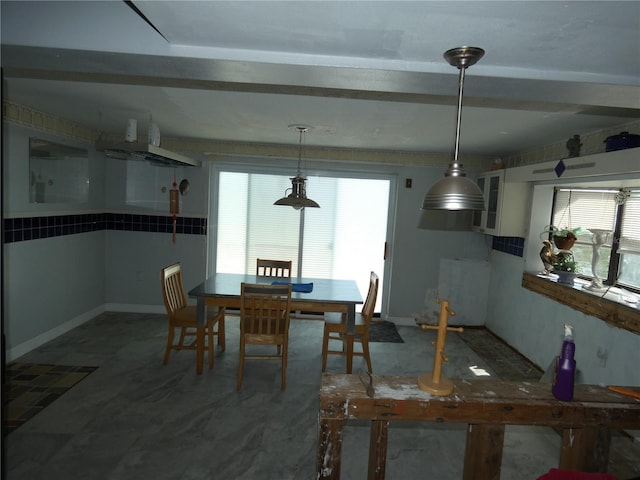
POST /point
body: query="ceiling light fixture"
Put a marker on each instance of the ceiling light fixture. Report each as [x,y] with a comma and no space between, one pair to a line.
[455,191]
[298,196]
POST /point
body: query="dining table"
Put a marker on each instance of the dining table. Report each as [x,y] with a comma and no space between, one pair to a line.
[326,295]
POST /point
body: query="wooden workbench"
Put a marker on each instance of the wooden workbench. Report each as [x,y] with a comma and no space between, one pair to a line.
[486,406]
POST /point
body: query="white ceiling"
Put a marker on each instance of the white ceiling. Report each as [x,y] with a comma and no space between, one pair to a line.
[363,74]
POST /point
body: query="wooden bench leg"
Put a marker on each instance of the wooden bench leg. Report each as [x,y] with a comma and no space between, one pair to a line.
[378,449]
[483,453]
[329,449]
[585,449]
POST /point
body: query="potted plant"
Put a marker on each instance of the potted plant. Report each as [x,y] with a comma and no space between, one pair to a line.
[563,238]
[566,267]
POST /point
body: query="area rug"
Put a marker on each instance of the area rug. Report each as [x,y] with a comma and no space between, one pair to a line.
[31,387]
[384,331]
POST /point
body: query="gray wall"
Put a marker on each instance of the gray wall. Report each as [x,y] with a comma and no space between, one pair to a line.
[54,282]
[134,259]
[417,252]
[533,325]
[113,269]
[49,281]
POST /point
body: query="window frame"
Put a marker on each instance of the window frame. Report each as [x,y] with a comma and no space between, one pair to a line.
[615,258]
[285,167]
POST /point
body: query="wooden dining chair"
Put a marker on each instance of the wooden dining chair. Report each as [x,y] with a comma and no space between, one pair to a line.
[335,328]
[264,320]
[184,317]
[273,268]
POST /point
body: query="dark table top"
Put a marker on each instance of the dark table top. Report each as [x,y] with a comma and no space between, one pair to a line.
[324,290]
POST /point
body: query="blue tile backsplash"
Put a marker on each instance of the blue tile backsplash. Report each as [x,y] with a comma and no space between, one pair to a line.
[510,245]
[33,228]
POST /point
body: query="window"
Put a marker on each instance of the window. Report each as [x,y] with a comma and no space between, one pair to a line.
[344,238]
[616,214]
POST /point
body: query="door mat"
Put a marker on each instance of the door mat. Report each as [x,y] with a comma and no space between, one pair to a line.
[31,387]
[384,331]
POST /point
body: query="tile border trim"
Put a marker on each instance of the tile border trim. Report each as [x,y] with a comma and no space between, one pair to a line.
[33,228]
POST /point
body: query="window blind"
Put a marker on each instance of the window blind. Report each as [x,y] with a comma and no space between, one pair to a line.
[250,226]
[587,209]
[630,232]
[343,239]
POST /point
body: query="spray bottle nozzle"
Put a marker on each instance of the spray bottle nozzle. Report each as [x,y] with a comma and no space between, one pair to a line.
[568,331]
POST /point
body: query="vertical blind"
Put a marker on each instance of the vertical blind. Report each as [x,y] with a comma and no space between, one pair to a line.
[249,226]
[343,239]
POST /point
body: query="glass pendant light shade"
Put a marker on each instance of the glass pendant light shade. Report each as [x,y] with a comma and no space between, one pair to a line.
[298,196]
[455,191]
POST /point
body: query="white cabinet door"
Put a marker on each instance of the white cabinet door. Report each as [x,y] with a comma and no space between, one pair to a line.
[505,206]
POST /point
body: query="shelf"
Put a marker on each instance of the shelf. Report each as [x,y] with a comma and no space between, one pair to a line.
[614,313]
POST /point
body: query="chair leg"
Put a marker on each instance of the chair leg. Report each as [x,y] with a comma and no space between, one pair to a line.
[221,334]
[167,351]
[325,348]
[183,332]
[365,351]
[210,343]
[349,342]
[240,364]
[200,344]
[285,352]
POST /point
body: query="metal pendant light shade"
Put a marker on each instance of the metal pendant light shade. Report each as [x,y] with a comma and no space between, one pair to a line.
[298,196]
[455,191]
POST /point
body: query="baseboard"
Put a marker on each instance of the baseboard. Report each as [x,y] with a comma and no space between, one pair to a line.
[49,335]
[403,321]
[134,308]
[26,347]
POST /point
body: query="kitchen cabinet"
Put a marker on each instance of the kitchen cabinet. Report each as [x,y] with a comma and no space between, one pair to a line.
[505,206]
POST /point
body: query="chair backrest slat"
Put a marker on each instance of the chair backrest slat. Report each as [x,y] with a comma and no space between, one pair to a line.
[265,309]
[372,295]
[172,290]
[273,268]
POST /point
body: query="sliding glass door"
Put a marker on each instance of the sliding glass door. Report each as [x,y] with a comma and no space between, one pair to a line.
[345,238]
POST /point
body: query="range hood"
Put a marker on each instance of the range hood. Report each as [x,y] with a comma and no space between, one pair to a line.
[145,151]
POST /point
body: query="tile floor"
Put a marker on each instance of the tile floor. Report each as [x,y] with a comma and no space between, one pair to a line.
[33,387]
[136,419]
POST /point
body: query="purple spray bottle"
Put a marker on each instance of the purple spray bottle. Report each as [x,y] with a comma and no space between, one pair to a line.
[565,372]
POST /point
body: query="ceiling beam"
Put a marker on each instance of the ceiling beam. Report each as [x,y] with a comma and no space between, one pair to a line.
[317,80]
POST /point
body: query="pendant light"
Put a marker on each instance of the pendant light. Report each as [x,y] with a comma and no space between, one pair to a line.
[298,196]
[455,191]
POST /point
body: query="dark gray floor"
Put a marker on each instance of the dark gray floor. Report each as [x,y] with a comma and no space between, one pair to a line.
[136,419]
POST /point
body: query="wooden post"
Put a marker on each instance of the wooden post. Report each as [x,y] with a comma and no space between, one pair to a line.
[329,449]
[434,382]
[483,452]
[378,449]
[585,449]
